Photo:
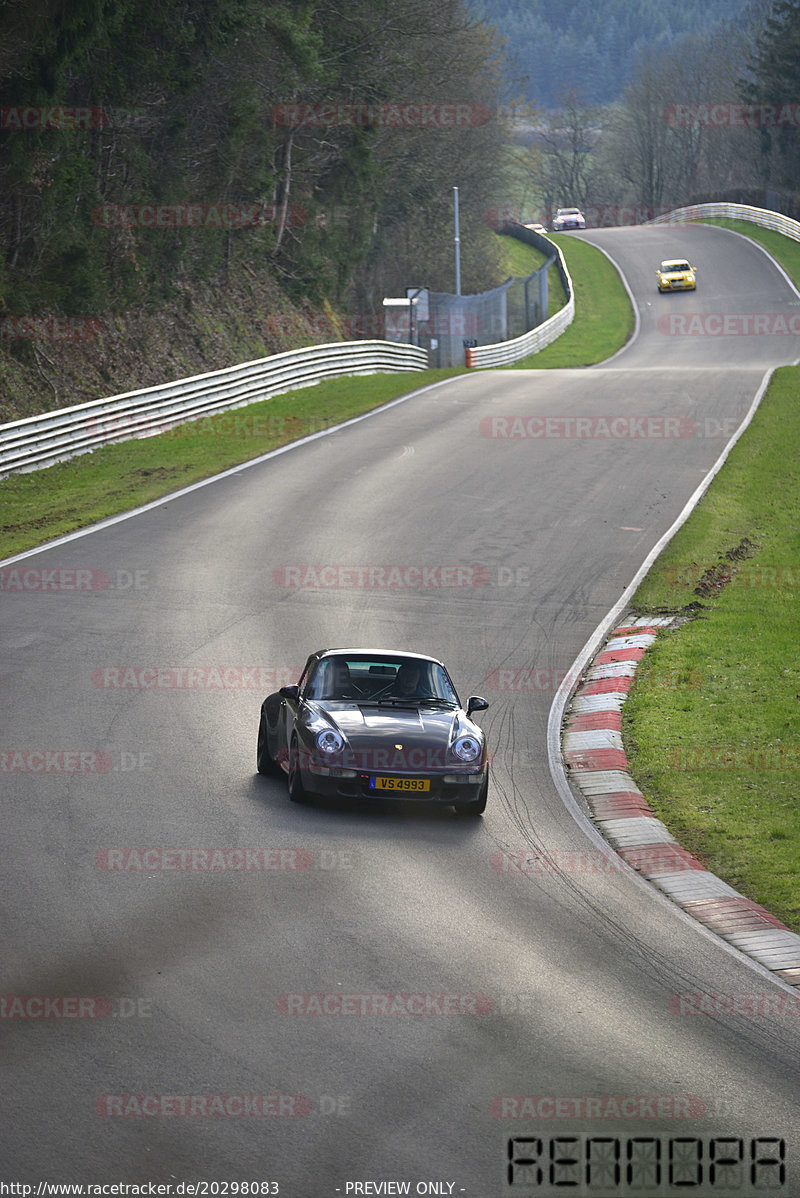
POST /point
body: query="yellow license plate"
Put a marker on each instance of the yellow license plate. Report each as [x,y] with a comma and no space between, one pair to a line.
[408,784]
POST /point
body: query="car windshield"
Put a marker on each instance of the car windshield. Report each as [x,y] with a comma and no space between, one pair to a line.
[368,678]
[675,266]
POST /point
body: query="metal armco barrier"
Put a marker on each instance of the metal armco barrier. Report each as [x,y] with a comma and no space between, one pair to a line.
[757,216]
[55,436]
[504,352]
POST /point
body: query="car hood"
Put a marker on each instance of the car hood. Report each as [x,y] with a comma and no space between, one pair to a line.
[399,737]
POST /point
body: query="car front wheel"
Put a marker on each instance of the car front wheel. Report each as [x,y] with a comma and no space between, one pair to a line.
[296,789]
[264,762]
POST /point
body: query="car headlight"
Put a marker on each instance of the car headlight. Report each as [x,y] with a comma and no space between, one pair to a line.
[467,748]
[329,742]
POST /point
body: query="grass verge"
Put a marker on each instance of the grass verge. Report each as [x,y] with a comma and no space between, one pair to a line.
[45,504]
[712,722]
[603,314]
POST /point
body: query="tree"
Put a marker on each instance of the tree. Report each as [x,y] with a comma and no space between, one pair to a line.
[772,79]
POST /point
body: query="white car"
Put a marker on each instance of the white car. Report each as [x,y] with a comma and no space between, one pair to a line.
[568,218]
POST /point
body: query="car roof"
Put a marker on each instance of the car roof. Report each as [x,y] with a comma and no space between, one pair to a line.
[675,262]
[368,652]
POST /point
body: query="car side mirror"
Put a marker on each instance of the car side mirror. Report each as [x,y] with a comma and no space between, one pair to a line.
[476,703]
[290,692]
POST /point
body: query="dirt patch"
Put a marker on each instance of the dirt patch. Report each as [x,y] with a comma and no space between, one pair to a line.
[717,577]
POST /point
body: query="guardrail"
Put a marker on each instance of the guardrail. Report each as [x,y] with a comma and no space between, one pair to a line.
[504,352]
[55,436]
[758,216]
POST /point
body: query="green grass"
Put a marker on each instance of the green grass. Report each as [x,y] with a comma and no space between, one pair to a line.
[603,315]
[44,504]
[712,723]
[518,258]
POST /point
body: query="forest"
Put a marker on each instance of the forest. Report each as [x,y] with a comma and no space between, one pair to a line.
[593,45]
[203,181]
[143,142]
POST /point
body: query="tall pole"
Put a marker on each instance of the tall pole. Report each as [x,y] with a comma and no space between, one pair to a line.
[457,240]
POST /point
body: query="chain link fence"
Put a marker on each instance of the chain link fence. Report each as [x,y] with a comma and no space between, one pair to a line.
[447,325]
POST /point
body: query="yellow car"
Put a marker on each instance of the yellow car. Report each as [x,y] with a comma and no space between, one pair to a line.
[676,275]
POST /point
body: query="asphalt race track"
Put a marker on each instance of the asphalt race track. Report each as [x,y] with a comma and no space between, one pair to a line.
[233,1024]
